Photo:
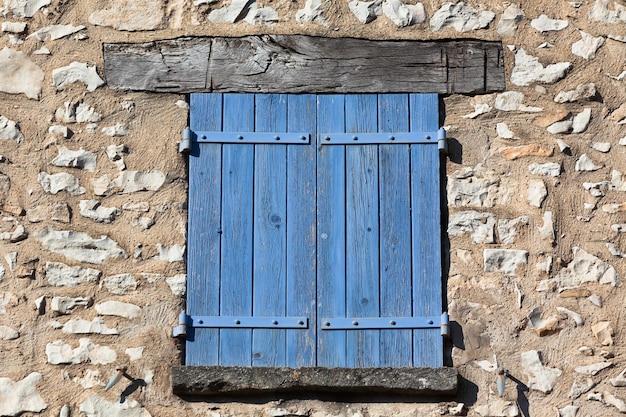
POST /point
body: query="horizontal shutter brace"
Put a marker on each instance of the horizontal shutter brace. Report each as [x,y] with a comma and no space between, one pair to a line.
[290,138]
[362,323]
[386,138]
[185,321]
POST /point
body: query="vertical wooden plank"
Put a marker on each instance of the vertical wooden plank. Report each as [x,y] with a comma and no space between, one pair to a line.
[301,231]
[362,231]
[396,346]
[237,200]
[331,243]
[426,230]
[270,239]
[203,253]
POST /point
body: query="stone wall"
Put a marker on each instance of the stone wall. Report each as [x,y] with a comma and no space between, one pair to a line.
[93,201]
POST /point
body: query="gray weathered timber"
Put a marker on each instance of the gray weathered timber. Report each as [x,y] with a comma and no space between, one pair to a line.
[234,380]
[305,64]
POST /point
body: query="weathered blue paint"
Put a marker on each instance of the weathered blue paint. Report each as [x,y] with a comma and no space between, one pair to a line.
[308,231]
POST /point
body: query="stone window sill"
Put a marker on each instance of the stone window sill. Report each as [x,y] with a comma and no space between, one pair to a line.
[209,381]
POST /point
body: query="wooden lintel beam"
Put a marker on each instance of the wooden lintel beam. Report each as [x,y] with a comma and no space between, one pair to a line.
[305,64]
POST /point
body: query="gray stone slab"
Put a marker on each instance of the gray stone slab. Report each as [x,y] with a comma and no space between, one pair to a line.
[241,381]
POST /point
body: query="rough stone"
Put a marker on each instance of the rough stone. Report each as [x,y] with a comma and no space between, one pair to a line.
[95,406]
[535,149]
[603,147]
[580,386]
[551,118]
[117,130]
[504,132]
[509,20]
[144,222]
[174,253]
[133,181]
[62,181]
[581,121]
[17,234]
[261,15]
[8,333]
[593,368]
[77,159]
[19,75]
[461,17]
[479,225]
[177,283]
[537,193]
[10,130]
[614,208]
[507,230]
[58,212]
[582,92]
[512,101]
[131,15]
[544,24]
[77,72]
[80,326]
[55,32]
[233,12]
[540,378]
[217,380]
[79,246]
[619,114]
[476,187]
[366,11]
[402,14]
[619,380]
[564,126]
[7,299]
[618,403]
[65,305]
[504,260]
[603,332]
[77,112]
[541,326]
[13,27]
[93,210]
[118,308]
[528,69]
[116,153]
[58,352]
[498,408]
[596,189]
[587,46]
[120,284]
[568,411]
[600,11]
[479,108]
[134,354]
[25,8]
[61,275]
[615,250]
[60,131]
[552,169]
[576,318]
[584,163]
[21,397]
[313,11]
[583,268]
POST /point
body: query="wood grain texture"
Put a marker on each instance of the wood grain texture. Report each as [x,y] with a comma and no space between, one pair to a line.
[305,64]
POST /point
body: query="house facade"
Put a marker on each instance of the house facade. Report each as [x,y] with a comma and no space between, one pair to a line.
[103,209]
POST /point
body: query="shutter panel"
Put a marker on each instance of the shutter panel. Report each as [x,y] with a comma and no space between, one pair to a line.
[338,237]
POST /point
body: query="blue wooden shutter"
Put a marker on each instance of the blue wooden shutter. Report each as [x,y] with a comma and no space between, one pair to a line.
[341,232]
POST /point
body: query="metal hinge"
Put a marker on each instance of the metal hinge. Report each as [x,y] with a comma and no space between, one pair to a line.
[185,145]
[442,141]
[363,323]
